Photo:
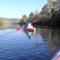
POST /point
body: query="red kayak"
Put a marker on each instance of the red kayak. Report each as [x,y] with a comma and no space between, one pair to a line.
[18,28]
[30,29]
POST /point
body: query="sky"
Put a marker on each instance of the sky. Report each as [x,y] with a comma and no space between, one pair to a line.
[18,8]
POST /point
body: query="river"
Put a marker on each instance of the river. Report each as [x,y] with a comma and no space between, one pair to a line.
[16,45]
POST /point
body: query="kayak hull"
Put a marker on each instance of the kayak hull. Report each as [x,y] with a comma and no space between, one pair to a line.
[30,29]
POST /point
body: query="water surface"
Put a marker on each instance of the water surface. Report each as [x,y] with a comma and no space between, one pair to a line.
[16,45]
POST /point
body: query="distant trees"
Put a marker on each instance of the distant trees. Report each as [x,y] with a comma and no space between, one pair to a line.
[43,17]
[31,15]
[30,18]
[23,20]
[44,13]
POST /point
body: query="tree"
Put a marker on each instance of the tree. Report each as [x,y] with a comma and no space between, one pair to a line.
[31,15]
[44,15]
[52,14]
[24,19]
[44,9]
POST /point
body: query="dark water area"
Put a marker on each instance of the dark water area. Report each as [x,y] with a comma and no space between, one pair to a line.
[16,45]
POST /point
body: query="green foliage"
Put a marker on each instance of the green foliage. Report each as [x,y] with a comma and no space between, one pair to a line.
[24,19]
[53,14]
[31,15]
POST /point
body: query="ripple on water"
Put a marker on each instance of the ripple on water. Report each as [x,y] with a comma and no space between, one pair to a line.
[16,46]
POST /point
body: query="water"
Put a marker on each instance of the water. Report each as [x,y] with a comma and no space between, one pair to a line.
[16,45]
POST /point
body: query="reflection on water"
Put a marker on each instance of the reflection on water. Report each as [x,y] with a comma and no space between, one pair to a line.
[16,46]
[23,45]
[29,34]
[5,26]
[40,31]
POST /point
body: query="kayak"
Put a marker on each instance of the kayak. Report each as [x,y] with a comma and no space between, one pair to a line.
[18,28]
[30,29]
